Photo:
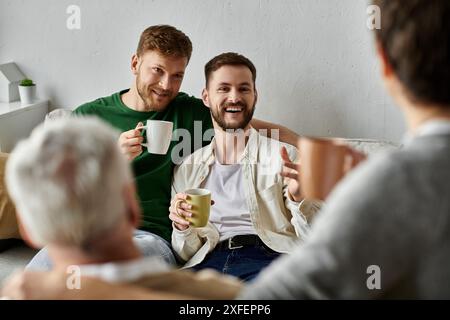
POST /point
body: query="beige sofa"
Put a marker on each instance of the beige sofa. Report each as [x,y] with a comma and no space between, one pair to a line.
[15,254]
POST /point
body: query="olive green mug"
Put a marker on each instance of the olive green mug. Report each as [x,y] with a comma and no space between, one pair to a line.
[200,200]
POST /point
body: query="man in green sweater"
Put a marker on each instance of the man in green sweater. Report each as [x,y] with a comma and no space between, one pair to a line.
[158,67]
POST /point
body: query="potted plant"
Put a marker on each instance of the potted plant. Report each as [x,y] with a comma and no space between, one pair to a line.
[27,91]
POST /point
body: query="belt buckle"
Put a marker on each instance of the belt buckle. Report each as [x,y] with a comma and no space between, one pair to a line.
[230,244]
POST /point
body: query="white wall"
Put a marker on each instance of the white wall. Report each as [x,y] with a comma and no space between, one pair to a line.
[317,72]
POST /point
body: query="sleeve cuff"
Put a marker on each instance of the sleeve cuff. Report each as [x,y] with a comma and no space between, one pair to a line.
[183,233]
[309,207]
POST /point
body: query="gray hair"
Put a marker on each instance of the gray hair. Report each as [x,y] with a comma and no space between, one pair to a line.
[67,181]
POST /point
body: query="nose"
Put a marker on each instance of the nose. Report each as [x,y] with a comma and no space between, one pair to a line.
[164,83]
[234,96]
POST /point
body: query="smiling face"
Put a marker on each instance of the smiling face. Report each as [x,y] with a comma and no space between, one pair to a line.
[231,96]
[158,78]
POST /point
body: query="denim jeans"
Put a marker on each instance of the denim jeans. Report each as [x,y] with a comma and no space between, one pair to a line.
[244,263]
[150,245]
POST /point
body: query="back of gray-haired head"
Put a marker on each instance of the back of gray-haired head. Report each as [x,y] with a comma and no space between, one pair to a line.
[67,181]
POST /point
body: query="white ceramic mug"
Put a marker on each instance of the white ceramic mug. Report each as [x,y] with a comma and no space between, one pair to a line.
[159,135]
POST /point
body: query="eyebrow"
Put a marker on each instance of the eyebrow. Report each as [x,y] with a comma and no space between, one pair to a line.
[228,84]
[162,67]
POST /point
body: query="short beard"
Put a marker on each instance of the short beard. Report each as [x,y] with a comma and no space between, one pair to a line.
[142,95]
[248,115]
[149,103]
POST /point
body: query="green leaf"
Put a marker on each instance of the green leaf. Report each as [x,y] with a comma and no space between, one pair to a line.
[26,83]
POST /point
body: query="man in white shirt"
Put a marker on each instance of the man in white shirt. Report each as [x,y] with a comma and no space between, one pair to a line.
[257,209]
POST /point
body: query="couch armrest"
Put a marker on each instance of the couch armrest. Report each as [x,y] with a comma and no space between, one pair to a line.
[8,220]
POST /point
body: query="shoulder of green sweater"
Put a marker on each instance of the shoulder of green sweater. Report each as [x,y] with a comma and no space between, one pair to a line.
[188,99]
[103,101]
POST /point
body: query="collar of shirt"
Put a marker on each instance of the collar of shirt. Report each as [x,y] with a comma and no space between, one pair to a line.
[249,155]
[429,128]
[124,271]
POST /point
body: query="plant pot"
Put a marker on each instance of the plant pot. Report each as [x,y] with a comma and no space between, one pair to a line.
[27,94]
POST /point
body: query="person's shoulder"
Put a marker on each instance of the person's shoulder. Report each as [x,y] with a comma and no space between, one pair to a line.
[87,107]
[183,97]
[94,105]
[381,164]
[393,188]
[428,149]
[384,175]
[423,163]
[189,103]
[191,109]
[414,159]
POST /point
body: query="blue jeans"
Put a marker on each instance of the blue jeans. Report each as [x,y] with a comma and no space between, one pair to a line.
[150,245]
[244,263]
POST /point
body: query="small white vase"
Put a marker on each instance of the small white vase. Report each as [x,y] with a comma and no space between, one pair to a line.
[27,94]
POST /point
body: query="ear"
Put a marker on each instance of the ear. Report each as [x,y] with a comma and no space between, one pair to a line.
[134,64]
[386,68]
[256,97]
[205,97]
[132,206]
[25,234]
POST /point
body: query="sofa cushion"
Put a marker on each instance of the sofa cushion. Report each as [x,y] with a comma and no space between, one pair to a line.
[8,221]
[17,257]
[369,146]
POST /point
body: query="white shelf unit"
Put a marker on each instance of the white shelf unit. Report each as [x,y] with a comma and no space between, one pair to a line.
[17,121]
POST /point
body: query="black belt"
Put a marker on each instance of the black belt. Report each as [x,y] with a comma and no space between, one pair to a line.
[240,241]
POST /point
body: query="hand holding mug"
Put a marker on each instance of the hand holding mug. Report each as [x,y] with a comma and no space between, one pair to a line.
[130,142]
[179,211]
[191,208]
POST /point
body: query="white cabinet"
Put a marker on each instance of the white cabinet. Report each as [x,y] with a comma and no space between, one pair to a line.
[17,121]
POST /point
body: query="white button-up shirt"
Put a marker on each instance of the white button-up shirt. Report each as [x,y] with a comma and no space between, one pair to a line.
[280,222]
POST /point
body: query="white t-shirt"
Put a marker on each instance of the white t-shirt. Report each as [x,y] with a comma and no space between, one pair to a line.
[230,213]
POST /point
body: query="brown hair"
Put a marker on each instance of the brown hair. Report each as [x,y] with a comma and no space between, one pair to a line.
[166,39]
[415,36]
[228,59]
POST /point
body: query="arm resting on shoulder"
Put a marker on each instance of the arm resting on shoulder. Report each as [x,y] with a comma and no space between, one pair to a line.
[284,134]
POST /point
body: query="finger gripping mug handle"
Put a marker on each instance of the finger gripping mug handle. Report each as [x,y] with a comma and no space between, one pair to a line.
[177,203]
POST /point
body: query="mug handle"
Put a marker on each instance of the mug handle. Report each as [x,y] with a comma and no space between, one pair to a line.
[144,128]
[353,159]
